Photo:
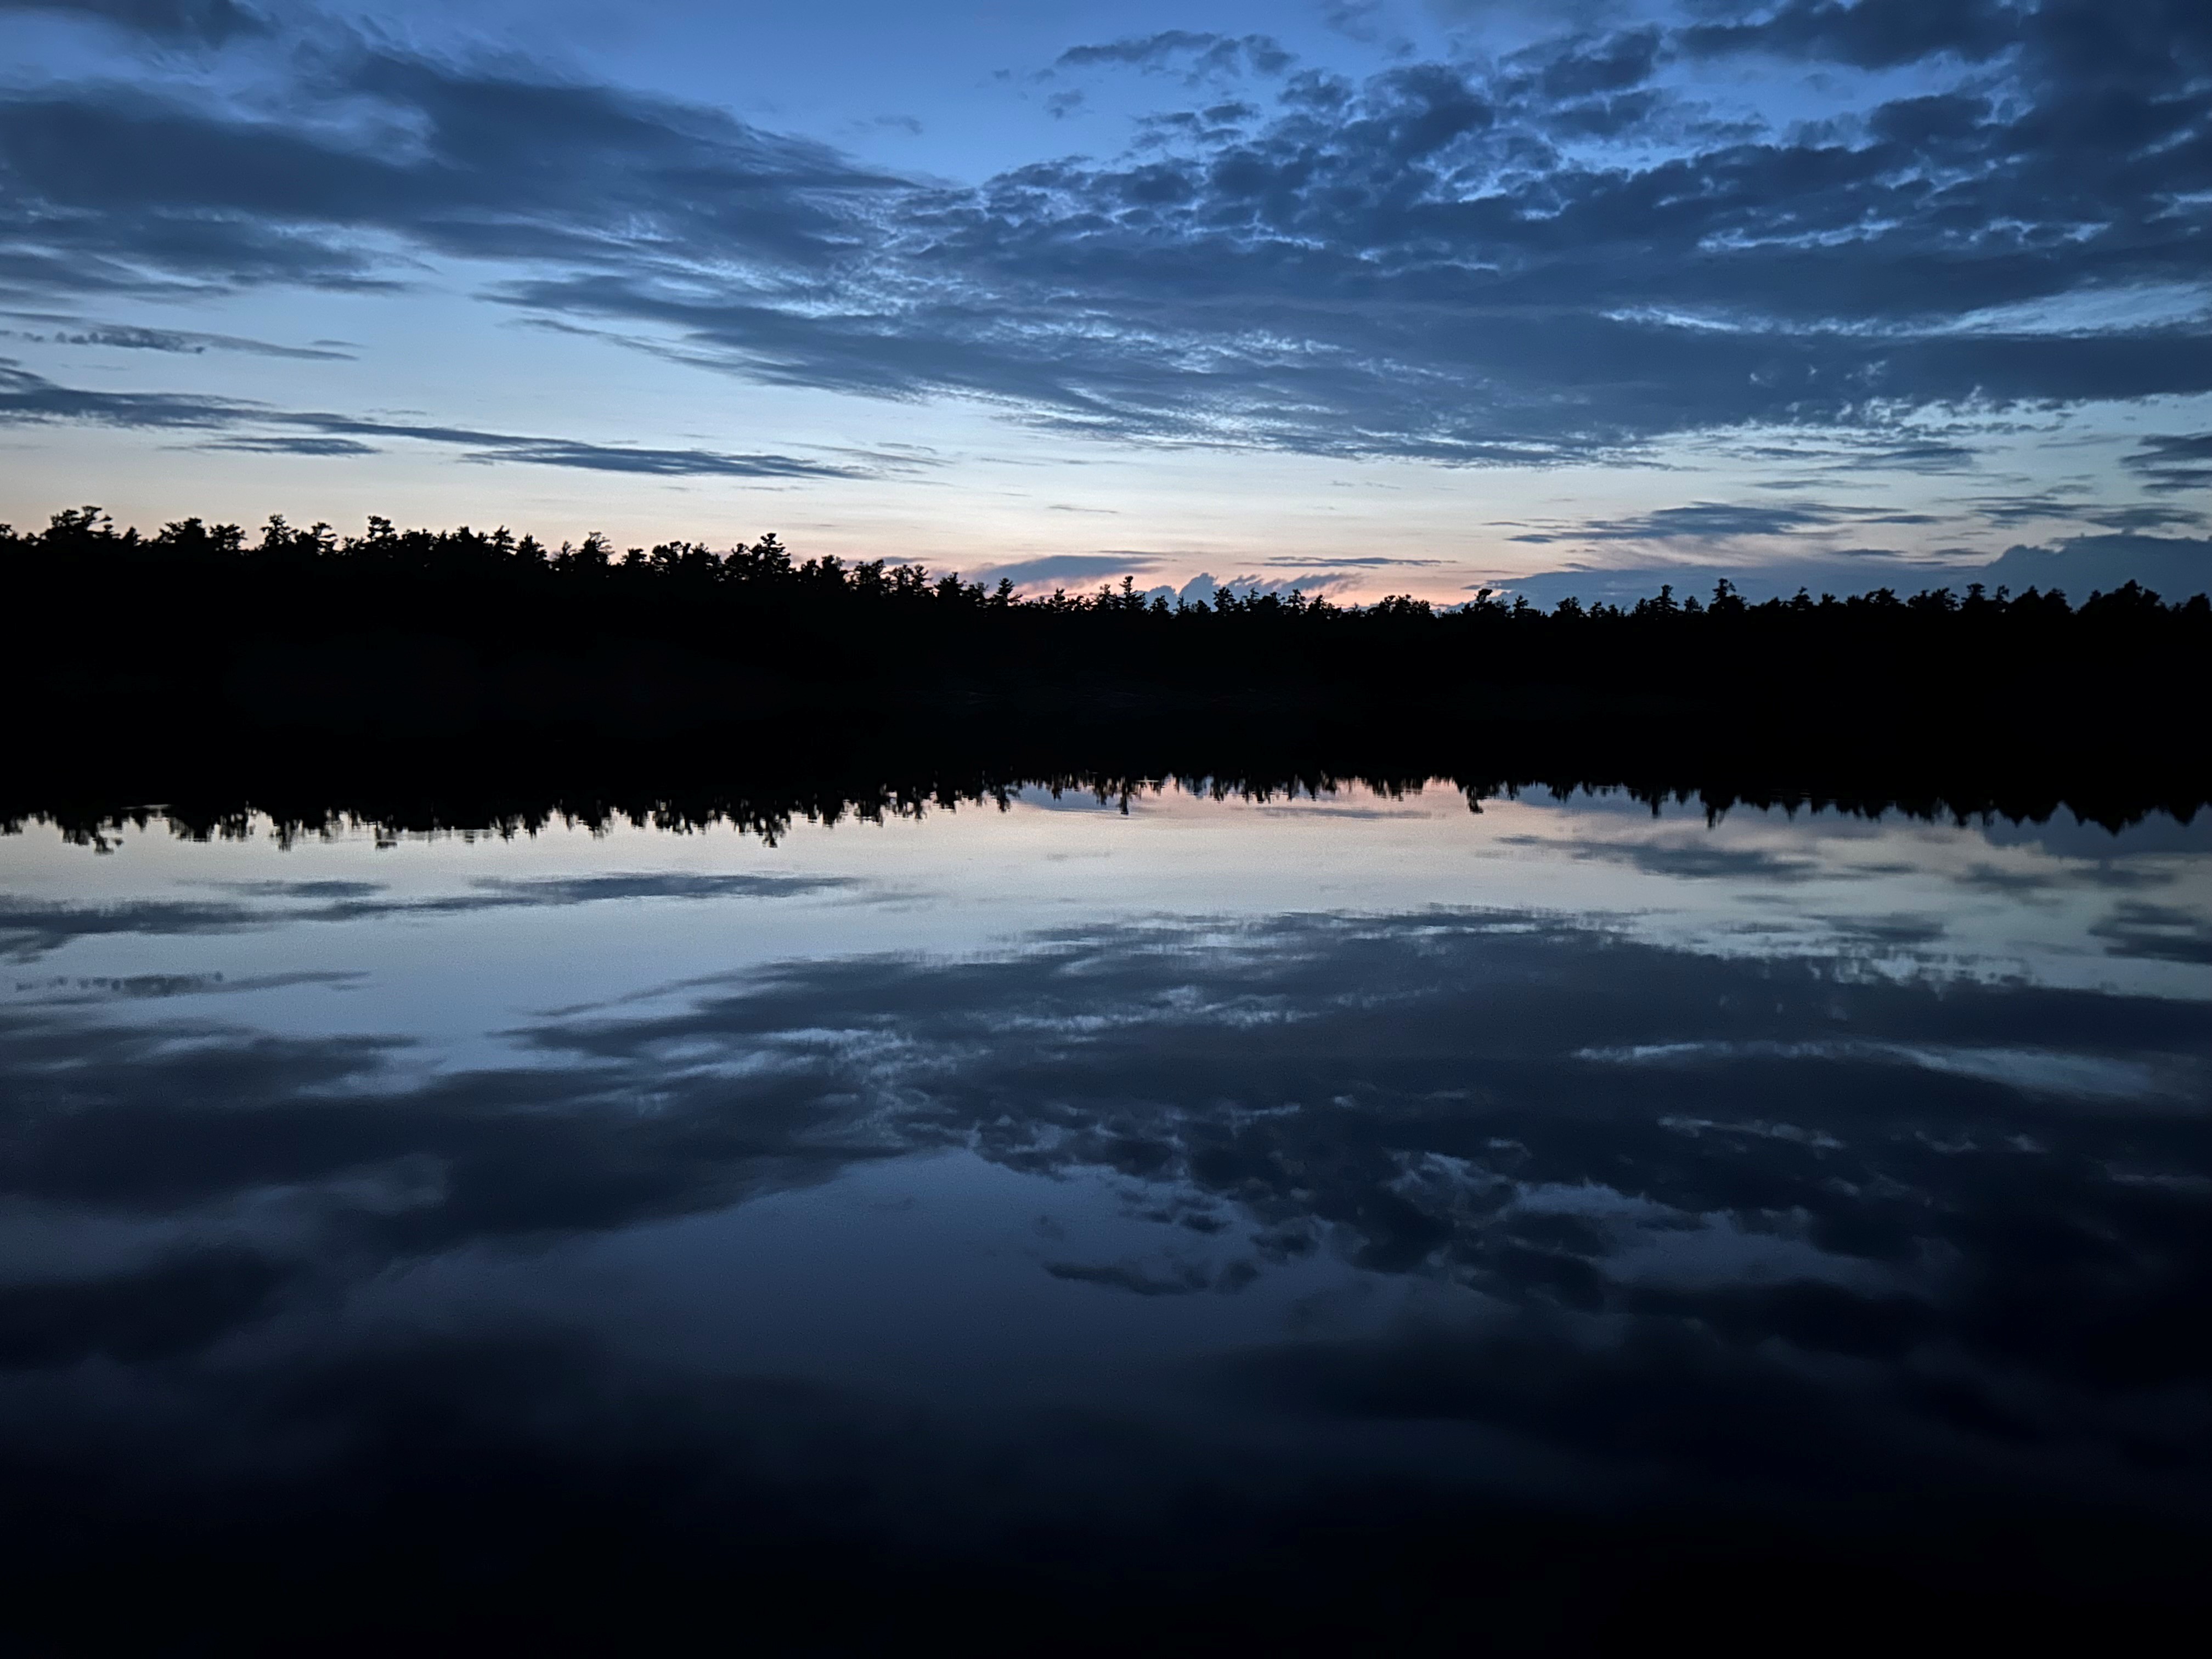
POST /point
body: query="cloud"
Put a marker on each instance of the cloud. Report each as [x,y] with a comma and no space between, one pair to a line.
[2143,517]
[1392,274]
[1624,584]
[1723,521]
[1204,588]
[655,463]
[1133,1277]
[2067,501]
[161,187]
[1066,568]
[142,987]
[1760,1228]
[1870,34]
[127,337]
[211,22]
[1582,65]
[1286,1069]
[300,445]
[1287,1073]
[1374,562]
[1549,256]
[31,927]
[2139,929]
[30,399]
[2172,463]
[1700,860]
[1355,20]
[175,1306]
[1307,580]
[2175,566]
[1198,55]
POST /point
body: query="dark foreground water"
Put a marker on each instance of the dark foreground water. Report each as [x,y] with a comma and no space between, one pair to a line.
[1211,1223]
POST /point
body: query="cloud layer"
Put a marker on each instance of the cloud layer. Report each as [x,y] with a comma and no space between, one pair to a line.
[27,399]
[1576,249]
[1949,1229]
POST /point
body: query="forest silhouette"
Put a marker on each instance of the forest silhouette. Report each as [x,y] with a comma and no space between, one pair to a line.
[160,662]
[824,619]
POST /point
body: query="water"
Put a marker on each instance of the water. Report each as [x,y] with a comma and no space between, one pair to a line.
[1183,1183]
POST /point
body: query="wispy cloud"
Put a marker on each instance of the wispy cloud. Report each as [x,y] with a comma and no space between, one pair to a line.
[1369,562]
[257,428]
[1721,521]
[1066,568]
[131,336]
[2172,463]
[32,927]
[1196,56]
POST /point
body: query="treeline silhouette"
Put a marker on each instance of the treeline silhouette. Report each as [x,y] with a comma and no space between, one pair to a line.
[393,792]
[173,655]
[197,588]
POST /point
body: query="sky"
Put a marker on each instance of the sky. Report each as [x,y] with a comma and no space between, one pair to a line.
[1362,296]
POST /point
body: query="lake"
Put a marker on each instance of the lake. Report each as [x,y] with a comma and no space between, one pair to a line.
[1198,1210]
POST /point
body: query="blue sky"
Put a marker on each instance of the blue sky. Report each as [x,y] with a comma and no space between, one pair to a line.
[1414,295]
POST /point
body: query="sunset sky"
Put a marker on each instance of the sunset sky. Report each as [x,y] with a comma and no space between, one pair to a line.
[1362,295]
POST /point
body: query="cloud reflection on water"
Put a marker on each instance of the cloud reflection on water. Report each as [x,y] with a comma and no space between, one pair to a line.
[1702,1218]
[31,927]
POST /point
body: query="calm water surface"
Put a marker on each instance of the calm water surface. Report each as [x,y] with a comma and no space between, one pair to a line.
[960,1180]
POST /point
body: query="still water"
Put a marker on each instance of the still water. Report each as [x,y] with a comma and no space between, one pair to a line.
[1115,1170]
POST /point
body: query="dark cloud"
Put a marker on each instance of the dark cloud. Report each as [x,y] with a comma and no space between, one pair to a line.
[656,463]
[1374,562]
[1722,521]
[142,987]
[153,190]
[1902,931]
[1579,66]
[1204,588]
[33,927]
[1684,1228]
[128,337]
[1697,860]
[2174,566]
[1195,54]
[2070,502]
[211,22]
[1125,1276]
[1068,568]
[292,446]
[172,1307]
[2172,463]
[1296,1074]
[26,398]
[1544,258]
[1497,1099]
[1864,34]
[1356,20]
[2139,929]
[1307,580]
[1624,584]
[2143,517]
[483,1155]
